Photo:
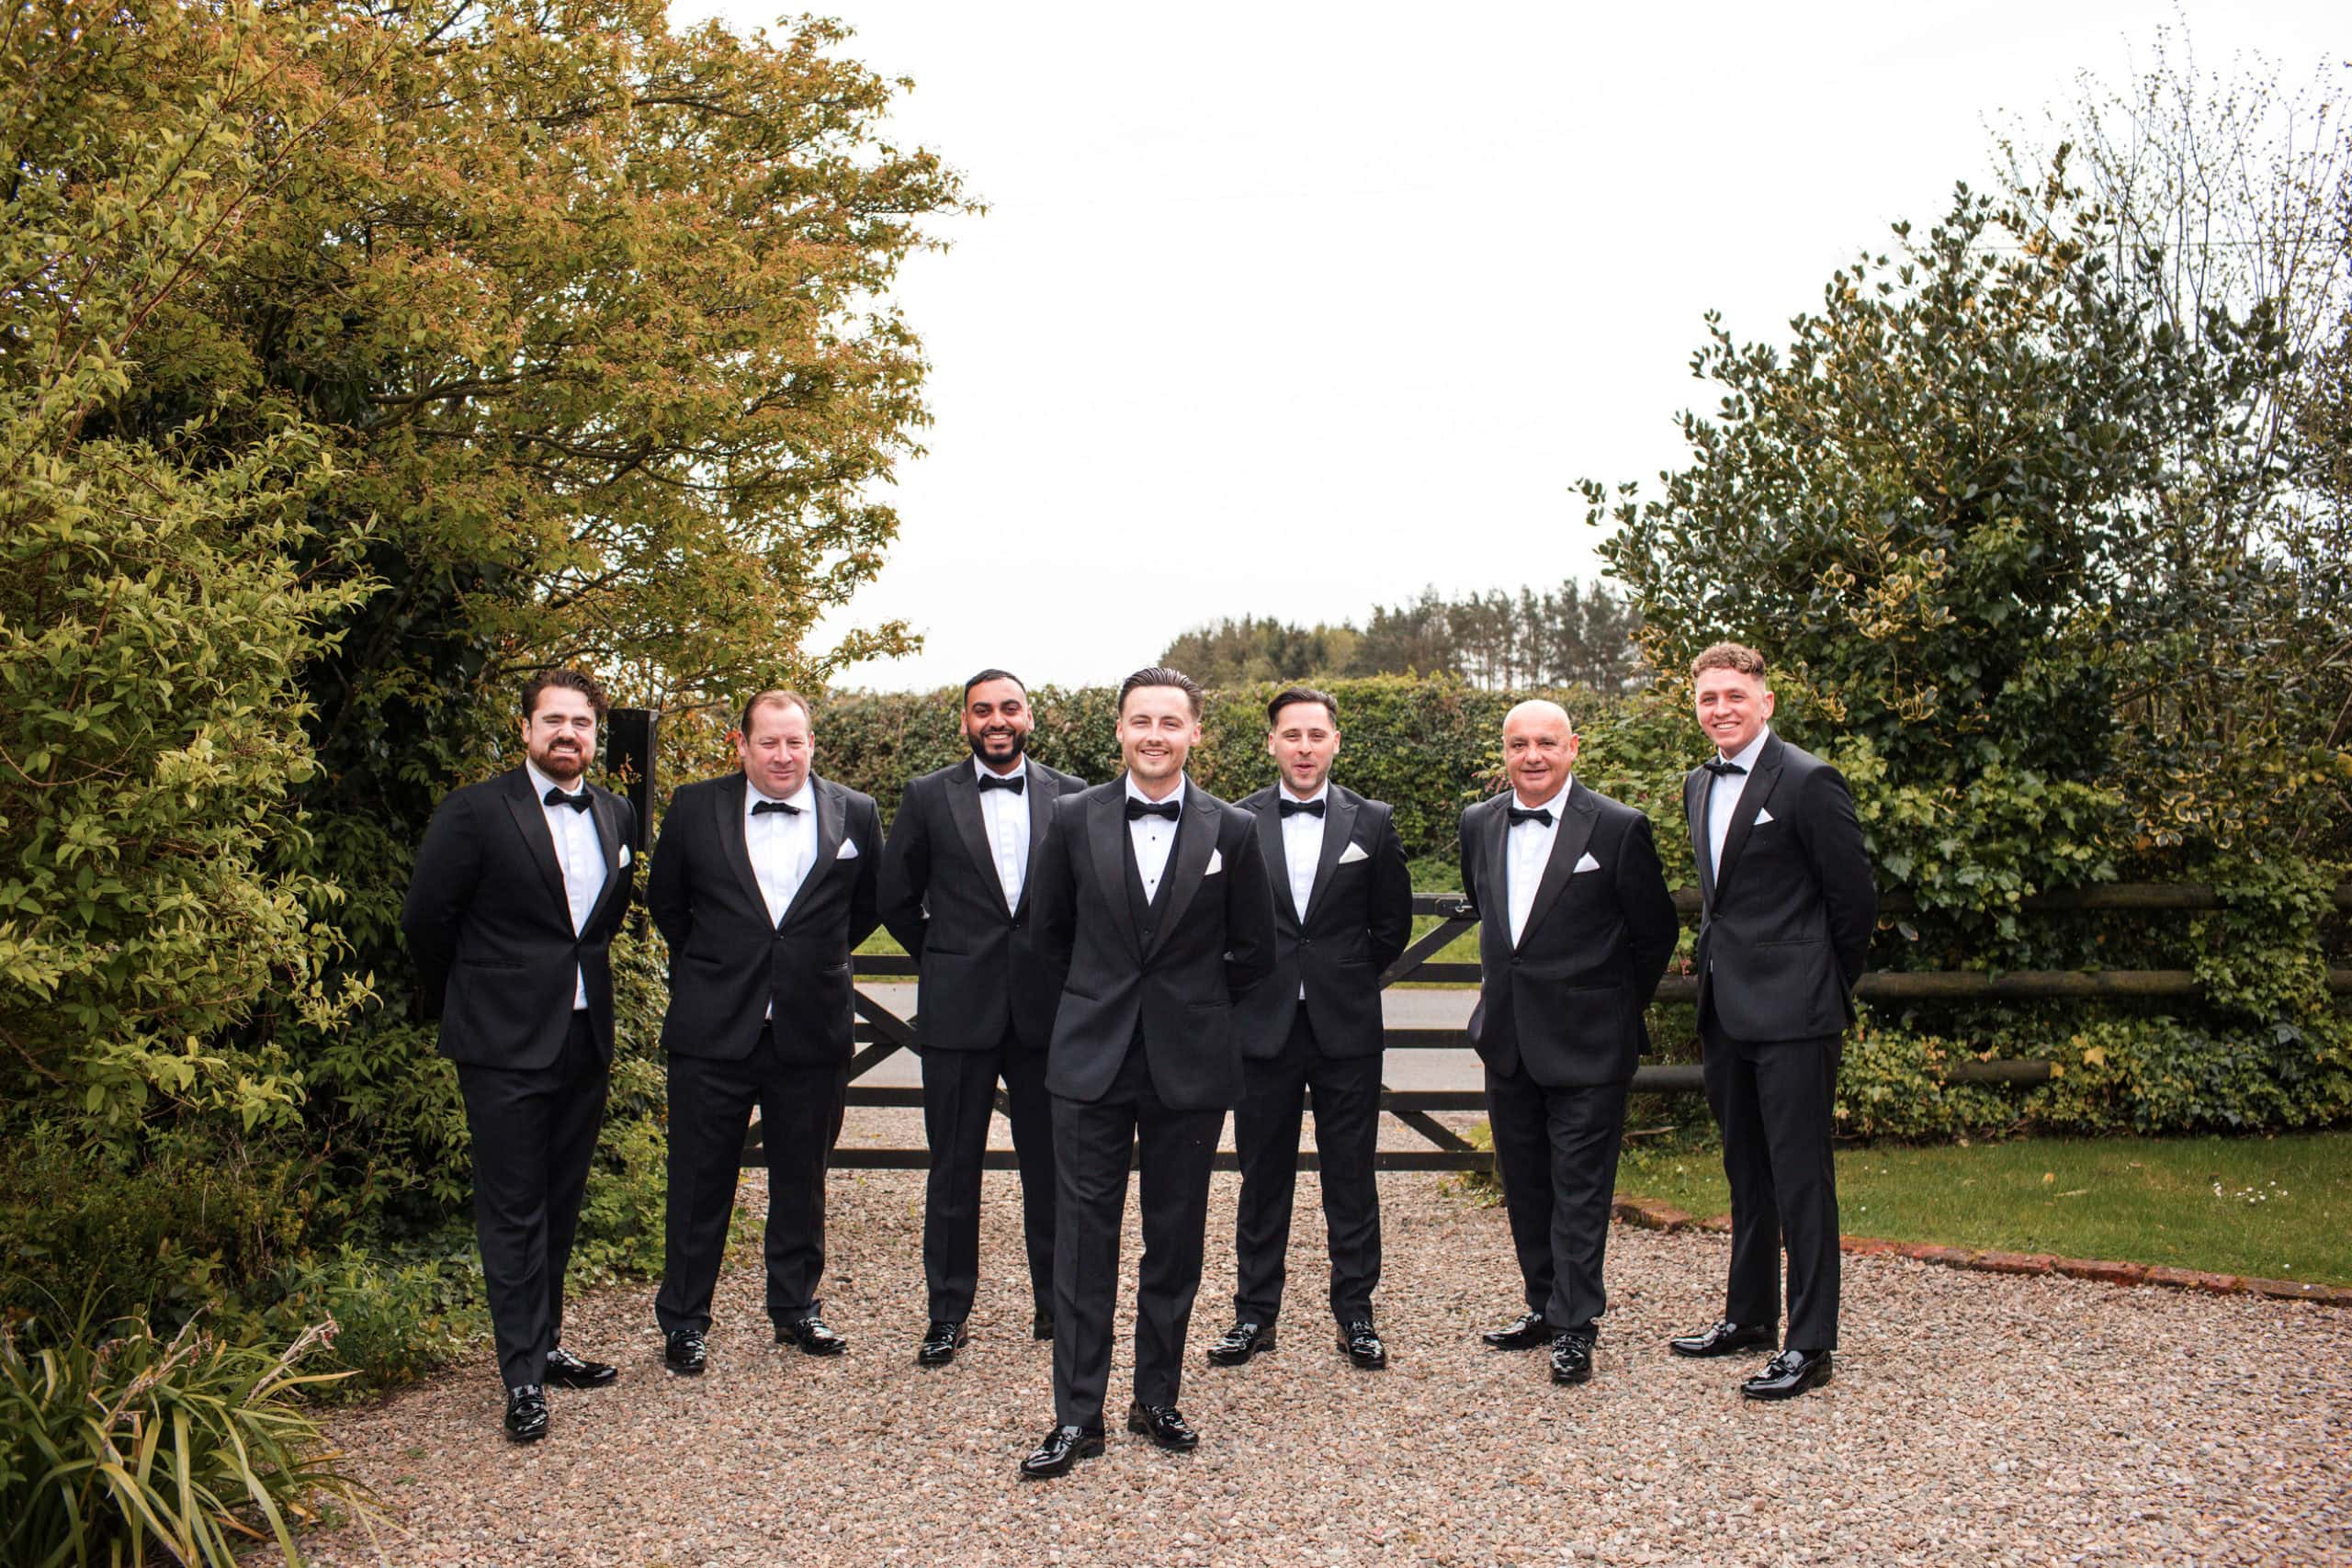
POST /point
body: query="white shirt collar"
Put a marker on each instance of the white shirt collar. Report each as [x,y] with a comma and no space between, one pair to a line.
[1746,757]
[1321,793]
[1184,782]
[984,771]
[1553,804]
[804,797]
[541,784]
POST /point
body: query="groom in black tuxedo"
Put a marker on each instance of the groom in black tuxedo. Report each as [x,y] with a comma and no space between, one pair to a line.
[1343,910]
[1790,905]
[1575,928]
[1151,900]
[518,887]
[955,874]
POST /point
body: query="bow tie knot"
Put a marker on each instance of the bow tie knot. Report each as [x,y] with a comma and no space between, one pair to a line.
[1541,816]
[1017,784]
[577,800]
[1723,768]
[1140,808]
[1290,808]
[762,807]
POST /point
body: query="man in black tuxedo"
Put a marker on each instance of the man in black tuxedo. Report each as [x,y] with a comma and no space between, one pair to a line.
[1575,928]
[1790,906]
[1343,910]
[955,881]
[764,882]
[518,887]
[1151,900]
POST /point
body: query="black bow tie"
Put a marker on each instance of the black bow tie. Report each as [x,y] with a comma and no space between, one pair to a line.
[762,807]
[1722,768]
[1167,808]
[578,801]
[1294,807]
[1542,814]
[1016,783]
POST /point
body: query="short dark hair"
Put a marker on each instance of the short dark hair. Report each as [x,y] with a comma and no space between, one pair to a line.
[1290,694]
[1161,675]
[985,676]
[565,680]
[775,697]
[1729,656]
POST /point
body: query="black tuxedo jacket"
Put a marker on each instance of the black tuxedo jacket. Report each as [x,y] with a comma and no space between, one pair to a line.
[1166,974]
[1358,920]
[1566,1002]
[727,963]
[1788,916]
[491,929]
[980,970]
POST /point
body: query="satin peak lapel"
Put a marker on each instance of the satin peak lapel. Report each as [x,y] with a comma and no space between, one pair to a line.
[832,818]
[1695,788]
[1269,844]
[1751,801]
[1339,828]
[1195,843]
[1567,847]
[1106,835]
[963,806]
[1042,792]
[530,816]
[727,806]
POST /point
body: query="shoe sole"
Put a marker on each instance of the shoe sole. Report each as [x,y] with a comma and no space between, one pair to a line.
[808,1349]
[1090,1448]
[678,1371]
[531,1436]
[1143,1430]
[1571,1380]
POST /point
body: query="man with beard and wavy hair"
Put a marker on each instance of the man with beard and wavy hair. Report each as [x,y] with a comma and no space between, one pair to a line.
[518,887]
[956,876]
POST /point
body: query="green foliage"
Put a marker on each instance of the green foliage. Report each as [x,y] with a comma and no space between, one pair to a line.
[128,1448]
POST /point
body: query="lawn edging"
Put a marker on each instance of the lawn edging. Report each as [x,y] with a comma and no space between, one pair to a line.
[1644,1214]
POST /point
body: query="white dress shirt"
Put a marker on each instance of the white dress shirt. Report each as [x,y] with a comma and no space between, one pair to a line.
[579,856]
[1303,844]
[1152,837]
[1723,799]
[1005,814]
[1527,850]
[783,847]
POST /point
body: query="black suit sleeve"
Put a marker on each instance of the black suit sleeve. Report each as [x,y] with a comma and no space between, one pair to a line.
[864,829]
[1248,910]
[1833,838]
[1053,896]
[665,885]
[905,871]
[448,868]
[1651,925]
[1391,923]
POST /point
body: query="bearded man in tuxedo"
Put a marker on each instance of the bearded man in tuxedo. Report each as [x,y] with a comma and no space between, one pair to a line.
[1152,902]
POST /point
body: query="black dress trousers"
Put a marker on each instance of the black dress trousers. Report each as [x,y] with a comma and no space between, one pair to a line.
[1775,1105]
[710,1109]
[1265,1137]
[534,1134]
[958,1096]
[1556,1150]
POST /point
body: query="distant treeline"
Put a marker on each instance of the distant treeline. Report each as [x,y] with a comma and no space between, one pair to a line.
[1579,634]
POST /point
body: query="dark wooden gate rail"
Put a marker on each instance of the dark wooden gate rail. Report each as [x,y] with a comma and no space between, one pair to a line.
[882,1031]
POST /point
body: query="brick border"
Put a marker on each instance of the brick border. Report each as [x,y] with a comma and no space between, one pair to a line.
[1644,1214]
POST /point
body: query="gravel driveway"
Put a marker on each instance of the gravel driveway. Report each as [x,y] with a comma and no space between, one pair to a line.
[1974,1419]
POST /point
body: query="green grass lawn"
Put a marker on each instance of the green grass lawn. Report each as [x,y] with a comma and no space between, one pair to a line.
[2277,1207]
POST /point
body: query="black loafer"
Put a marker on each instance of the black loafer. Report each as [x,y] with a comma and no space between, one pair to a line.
[940,1343]
[1572,1359]
[526,1413]
[1041,1324]
[1361,1343]
[684,1353]
[1788,1374]
[1526,1332]
[812,1335]
[1063,1447]
[1242,1341]
[568,1370]
[1724,1339]
[1165,1425]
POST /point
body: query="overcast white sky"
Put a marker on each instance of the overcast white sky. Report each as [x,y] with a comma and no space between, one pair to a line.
[1290,310]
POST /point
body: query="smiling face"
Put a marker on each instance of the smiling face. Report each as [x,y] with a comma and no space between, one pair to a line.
[1302,743]
[560,734]
[1733,708]
[996,723]
[777,748]
[1539,748]
[1157,732]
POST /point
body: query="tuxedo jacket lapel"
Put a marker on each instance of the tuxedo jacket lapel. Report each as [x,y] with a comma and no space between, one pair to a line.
[1195,841]
[1041,794]
[832,821]
[1696,787]
[963,806]
[530,816]
[607,818]
[1494,881]
[1106,841]
[727,806]
[1578,816]
[1339,828]
[1269,844]
[1752,799]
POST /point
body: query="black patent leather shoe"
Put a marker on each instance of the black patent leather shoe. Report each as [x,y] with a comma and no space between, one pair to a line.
[1526,1332]
[568,1370]
[812,1335]
[1165,1425]
[1788,1374]
[526,1413]
[1362,1342]
[1041,1325]
[684,1353]
[1063,1447]
[940,1343]
[1723,1339]
[1242,1341]
[1571,1359]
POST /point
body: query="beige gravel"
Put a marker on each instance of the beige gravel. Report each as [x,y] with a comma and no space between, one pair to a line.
[1974,1419]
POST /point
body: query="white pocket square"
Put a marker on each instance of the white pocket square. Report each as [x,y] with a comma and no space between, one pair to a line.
[1762,817]
[1354,851]
[848,849]
[624,855]
[1217,863]
[1586,863]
